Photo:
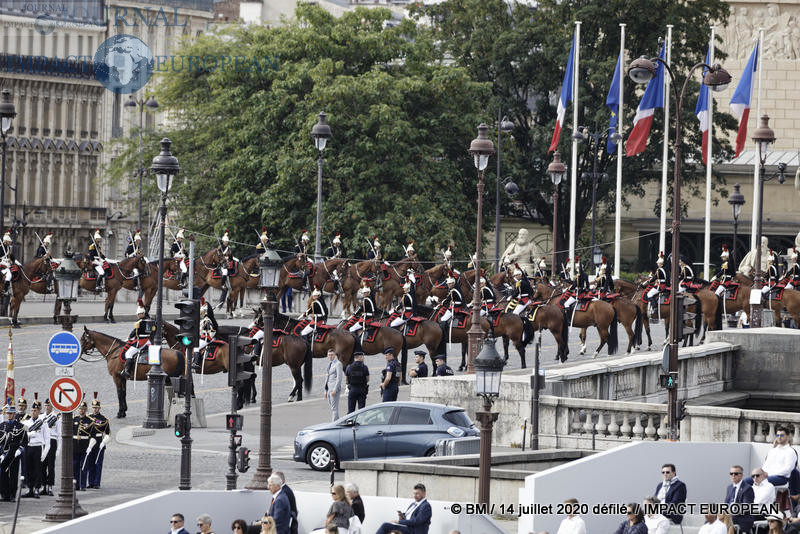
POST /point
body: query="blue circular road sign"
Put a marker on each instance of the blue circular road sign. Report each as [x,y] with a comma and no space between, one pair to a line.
[64,348]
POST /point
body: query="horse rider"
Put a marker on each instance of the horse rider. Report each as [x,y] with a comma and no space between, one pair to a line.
[228,265]
[411,276]
[686,276]
[375,250]
[302,248]
[208,332]
[179,253]
[42,251]
[408,305]
[771,275]
[317,311]
[792,276]
[256,327]
[335,250]
[488,297]
[7,261]
[98,260]
[263,242]
[133,248]
[604,281]
[541,269]
[448,257]
[138,339]
[522,291]
[658,281]
[410,252]
[455,299]
[600,272]
[367,309]
[81,435]
[13,440]
[37,448]
[580,284]
[22,407]
[99,436]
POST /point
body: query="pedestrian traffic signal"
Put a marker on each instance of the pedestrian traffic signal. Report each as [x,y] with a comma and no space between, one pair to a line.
[181,425]
[243,459]
[237,358]
[669,381]
[234,421]
[188,322]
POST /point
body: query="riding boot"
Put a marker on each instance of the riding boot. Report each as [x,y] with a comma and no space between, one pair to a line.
[183,280]
[128,371]
[101,283]
[196,360]
[6,287]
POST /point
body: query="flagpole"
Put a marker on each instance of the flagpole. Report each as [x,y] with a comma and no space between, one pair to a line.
[756,161]
[707,241]
[662,229]
[618,215]
[574,167]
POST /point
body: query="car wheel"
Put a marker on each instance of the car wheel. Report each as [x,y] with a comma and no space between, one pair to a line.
[321,457]
[430,452]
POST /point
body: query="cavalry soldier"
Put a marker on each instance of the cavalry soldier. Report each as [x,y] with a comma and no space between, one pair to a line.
[455,297]
[771,274]
[53,420]
[38,446]
[335,250]
[81,434]
[411,277]
[138,339]
[448,257]
[488,297]
[604,280]
[208,331]
[44,246]
[581,282]
[7,260]
[390,376]
[22,407]
[600,273]
[99,436]
[410,252]
[226,268]
[442,369]
[367,309]
[302,244]
[357,378]
[541,269]
[133,248]
[792,276]
[375,250]
[522,291]
[317,310]
[13,440]
[726,271]
[179,253]
[408,305]
[658,280]
[98,258]
[687,274]
[263,242]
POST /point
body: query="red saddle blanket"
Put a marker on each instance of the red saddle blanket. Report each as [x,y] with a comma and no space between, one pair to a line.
[413,325]
[459,319]
[299,274]
[212,349]
[582,304]
[608,297]
[277,337]
[777,293]
[731,287]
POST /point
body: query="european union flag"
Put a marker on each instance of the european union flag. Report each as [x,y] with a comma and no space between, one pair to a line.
[612,101]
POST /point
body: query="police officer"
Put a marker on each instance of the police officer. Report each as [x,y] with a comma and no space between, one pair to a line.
[179,253]
[335,250]
[357,377]
[13,440]
[81,434]
[53,420]
[421,369]
[391,377]
[99,436]
[138,339]
[37,449]
[442,369]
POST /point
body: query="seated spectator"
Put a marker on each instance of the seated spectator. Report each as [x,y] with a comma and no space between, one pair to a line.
[655,523]
[780,464]
[176,524]
[793,522]
[573,523]
[204,524]
[239,526]
[415,520]
[268,525]
[671,490]
[763,490]
[713,525]
[351,490]
[727,520]
[775,524]
[634,524]
[740,491]
[339,513]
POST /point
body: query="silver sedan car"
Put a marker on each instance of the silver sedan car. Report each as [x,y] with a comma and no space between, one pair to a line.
[389,429]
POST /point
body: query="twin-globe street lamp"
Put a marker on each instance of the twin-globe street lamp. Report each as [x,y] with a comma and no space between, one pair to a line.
[7,114]
[321,132]
[503,126]
[642,70]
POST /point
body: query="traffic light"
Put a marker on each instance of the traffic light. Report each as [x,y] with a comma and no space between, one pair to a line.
[681,328]
[668,381]
[188,322]
[182,424]
[243,459]
[681,410]
[237,358]
[234,421]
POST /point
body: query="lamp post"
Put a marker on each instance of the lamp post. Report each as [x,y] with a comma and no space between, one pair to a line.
[736,200]
[321,132]
[165,167]
[763,136]
[556,170]
[131,104]
[480,148]
[269,271]
[642,70]
[503,126]
[488,371]
[7,114]
[66,507]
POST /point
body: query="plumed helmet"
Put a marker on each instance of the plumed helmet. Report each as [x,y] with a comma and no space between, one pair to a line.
[410,247]
[375,242]
[36,404]
[316,292]
[304,236]
[138,235]
[365,290]
[226,237]
[97,236]
[180,234]
[771,257]
[95,401]
[660,260]
[725,254]
[483,281]
[449,252]
[506,261]
[793,253]
[48,238]
[337,240]
[21,401]
[140,307]
[264,237]
[450,281]
[517,273]
[7,237]
[203,305]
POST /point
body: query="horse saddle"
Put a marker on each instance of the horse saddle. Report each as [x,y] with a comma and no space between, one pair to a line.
[211,350]
[277,336]
[608,297]
[459,319]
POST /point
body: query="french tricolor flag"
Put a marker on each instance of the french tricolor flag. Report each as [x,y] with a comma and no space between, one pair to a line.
[740,101]
[701,110]
[653,98]
[564,98]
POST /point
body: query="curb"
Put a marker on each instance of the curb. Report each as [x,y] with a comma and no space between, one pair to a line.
[41,319]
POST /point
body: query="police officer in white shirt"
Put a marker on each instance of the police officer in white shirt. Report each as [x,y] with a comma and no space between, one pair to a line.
[573,523]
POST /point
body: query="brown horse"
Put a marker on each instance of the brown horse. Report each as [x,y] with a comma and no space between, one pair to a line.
[384,338]
[351,283]
[204,269]
[111,350]
[424,332]
[32,277]
[328,272]
[426,286]
[294,269]
[246,277]
[502,283]
[630,315]
[452,332]
[790,301]
[542,317]
[392,288]
[121,278]
[702,296]
[339,340]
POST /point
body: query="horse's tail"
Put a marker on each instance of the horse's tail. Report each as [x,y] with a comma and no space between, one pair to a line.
[613,340]
[308,367]
[637,326]
[698,318]
[718,314]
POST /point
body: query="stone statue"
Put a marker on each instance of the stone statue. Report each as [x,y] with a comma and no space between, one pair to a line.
[748,264]
[797,241]
[523,252]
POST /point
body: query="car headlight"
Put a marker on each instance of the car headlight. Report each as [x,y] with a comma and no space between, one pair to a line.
[303,433]
[455,432]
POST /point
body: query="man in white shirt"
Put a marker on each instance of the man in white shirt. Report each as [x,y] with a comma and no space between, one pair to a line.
[36,451]
[781,464]
[762,488]
[573,523]
[656,523]
[713,525]
[49,465]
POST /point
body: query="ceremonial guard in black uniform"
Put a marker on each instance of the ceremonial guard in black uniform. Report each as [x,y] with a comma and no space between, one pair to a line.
[792,275]
[421,369]
[335,250]
[37,449]
[442,369]
[687,273]
[581,282]
[13,440]
[367,309]
[81,434]
[302,244]
[208,332]
[133,248]
[97,258]
[7,260]
[179,253]
[44,246]
[522,291]
[228,261]
[375,251]
[317,311]
[53,420]
[410,252]
[263,242]
[488,297]
[100,435]
[390,375]
[138,339]
[659,280]
[408,305]
[771,276]
[455,296]
[357,377]
[726,271]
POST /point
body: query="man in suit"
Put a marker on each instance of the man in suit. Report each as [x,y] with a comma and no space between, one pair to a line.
[671,491]
[176,525]
[279,509]
[333,383]
[416,519]
[292,501]
[740,491]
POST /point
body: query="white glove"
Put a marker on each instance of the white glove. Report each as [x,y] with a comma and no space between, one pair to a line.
[105,440]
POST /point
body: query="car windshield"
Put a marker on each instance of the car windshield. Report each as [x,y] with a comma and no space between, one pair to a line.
[376,416]
[458,418]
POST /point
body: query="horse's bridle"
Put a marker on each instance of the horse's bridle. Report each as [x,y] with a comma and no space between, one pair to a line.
[93,348]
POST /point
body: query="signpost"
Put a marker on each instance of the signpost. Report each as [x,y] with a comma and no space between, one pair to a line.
[65,394]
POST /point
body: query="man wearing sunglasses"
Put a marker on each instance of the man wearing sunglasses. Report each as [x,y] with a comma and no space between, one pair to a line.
[176,525]
[780,465]
[740,491]
[671,491]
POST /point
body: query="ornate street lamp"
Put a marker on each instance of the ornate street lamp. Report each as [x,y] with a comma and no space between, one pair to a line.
[132,104]
[557,171]
[165,167]
[488,372]
[503,126]
[321,132]
[642,70]
[480,148]
[269,272]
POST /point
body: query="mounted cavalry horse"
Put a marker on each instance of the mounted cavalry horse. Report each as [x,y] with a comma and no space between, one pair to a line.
[205,274]
[31,277]
[782,299]
[121,276]
[394,276]
[363,271]
[417,331]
